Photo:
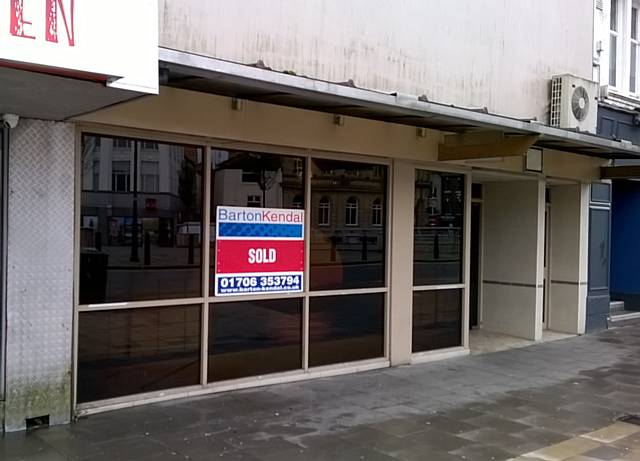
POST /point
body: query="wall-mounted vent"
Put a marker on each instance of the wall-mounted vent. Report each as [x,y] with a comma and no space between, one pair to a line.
[37,422]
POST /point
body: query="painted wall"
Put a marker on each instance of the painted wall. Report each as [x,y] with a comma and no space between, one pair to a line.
[40,273]
[625,246]
[498,54]
[513,262]
[568,258]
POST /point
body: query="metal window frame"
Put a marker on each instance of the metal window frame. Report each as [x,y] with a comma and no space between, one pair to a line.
[206,300]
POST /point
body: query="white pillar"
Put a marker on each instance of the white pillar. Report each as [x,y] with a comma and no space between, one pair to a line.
[568,258]
[401,296]
[513,239]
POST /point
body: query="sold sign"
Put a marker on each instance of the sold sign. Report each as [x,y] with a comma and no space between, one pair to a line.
[259,250]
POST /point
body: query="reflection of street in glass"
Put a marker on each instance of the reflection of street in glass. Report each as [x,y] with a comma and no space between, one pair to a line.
[137,350]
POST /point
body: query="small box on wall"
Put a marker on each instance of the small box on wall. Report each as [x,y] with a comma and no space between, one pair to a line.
[533,160]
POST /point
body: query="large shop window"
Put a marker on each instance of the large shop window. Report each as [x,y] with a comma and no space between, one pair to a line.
[437,260]
[141,240]
[130,351]
[141,223]
[347,244]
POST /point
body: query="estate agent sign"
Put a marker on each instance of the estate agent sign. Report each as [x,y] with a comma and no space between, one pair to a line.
[259,250]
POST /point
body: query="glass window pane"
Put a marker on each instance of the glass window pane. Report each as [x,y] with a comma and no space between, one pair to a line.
[253,179]
[437,319]
[250,338]
[345,328]
[633,68]
[141,220]
[130,351]
[600,192]
[347,242]
[613,59]
[613,17]
[438,233]
[634,23]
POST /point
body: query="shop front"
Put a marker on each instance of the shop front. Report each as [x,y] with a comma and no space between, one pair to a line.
[202,243]
[182,288]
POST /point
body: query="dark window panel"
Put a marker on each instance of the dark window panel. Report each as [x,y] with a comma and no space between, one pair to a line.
[347,244]
[438,228]
[476,191]
[253,179]
[599,252]
[600,192]
[346,328]
[130,351]
[250,338]
[141,220]
[437,319]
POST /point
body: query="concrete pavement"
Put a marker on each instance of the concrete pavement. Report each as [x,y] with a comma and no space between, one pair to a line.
[553,401]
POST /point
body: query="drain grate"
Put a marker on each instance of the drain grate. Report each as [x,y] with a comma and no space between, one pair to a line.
[630,419]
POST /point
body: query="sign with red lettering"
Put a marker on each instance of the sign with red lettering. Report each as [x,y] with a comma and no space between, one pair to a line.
[258,250]
[115,40]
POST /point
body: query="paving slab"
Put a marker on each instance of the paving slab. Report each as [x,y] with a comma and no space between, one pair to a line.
[553,401]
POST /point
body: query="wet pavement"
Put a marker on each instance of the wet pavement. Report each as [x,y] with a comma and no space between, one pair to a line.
[553,401]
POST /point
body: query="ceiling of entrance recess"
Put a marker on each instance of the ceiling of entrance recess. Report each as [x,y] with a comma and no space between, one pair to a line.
[48,97]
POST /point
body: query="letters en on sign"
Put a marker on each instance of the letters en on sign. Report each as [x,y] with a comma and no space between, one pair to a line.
[114,41]
[259,250]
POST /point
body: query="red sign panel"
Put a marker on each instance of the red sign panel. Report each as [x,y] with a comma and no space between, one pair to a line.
[259,256]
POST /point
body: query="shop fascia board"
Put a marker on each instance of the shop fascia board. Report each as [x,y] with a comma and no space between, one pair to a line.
[484,144]
[620,172]
[387,106]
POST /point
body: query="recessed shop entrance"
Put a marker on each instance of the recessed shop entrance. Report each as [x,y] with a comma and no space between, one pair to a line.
[518,257]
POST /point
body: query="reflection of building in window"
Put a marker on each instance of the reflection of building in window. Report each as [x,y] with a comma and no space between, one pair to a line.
[249,176]
[121,143]
[254,201]
[121,176]
[149,177]
[324,211]
[376,212]
[151,145]
[299,166]
[238,174]
[351,212]
[96,174]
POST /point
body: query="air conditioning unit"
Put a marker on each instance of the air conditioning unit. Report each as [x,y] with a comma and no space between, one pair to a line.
[574,103]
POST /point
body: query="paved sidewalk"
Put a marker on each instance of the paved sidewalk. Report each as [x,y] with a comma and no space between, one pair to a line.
[552,401]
